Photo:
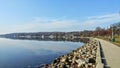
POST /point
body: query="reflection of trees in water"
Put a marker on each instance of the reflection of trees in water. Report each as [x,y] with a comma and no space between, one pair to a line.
[50,39]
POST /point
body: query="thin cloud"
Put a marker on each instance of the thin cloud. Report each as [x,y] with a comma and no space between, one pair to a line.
[101,20]
[104,16]
[40,24]
[61,24]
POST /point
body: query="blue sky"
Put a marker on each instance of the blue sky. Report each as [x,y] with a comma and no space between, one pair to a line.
[57,15]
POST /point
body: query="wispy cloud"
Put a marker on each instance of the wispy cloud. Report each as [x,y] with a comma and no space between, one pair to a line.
[61,24]
[102,20]
[104,16]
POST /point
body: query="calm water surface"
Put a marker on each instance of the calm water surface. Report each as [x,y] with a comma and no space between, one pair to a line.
[22,53]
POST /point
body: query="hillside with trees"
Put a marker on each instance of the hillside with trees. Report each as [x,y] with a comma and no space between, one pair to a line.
[112,34]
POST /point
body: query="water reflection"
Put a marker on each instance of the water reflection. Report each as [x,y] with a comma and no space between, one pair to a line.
[74,39]
[21,53]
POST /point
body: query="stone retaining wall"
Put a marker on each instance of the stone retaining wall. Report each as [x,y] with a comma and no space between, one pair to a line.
[98,58]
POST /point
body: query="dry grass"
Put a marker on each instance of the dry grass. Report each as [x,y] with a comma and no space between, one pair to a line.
[117,39]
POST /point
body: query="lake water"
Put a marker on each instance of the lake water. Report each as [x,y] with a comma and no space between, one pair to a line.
[24,53]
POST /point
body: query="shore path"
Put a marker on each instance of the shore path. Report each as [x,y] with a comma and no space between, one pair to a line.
[111,53]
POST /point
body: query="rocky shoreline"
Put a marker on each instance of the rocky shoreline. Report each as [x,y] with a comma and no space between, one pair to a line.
[83,57]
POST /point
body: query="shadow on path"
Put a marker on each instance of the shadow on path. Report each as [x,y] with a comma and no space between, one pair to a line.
[103,57]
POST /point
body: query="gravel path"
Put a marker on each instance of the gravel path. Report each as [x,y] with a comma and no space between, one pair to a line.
[112,53]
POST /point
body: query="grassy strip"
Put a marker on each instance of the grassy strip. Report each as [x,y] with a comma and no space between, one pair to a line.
[117,39]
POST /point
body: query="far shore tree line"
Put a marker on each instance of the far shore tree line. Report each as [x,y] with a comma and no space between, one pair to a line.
[113,30]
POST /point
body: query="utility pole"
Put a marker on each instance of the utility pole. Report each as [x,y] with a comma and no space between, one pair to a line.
[119,12]
[112,33]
